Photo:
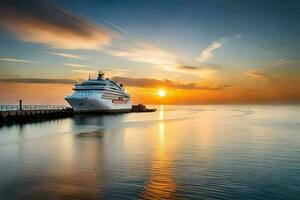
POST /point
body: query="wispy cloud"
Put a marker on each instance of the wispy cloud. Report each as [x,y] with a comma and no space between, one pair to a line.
[16,60]
[189,67]
[82,71]
[152,83]
[255,73]
[47,23]
[145,53]
[38,80]
[66,55]
[116,26]
[193,69]
[76,65]
[208,52]
[117,70]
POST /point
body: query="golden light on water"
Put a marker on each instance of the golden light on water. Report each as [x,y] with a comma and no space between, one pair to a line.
[161,184]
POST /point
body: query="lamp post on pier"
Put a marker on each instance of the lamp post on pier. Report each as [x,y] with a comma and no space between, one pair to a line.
[20,104]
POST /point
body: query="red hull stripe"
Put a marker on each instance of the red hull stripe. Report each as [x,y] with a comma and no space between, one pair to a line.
[118,101]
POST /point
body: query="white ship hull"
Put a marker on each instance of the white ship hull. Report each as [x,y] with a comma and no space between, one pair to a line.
[96,104]
[99,95]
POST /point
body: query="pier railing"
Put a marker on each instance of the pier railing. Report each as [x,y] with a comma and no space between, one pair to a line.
[32,107]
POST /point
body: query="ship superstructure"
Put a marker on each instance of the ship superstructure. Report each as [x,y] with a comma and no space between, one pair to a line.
[99,95]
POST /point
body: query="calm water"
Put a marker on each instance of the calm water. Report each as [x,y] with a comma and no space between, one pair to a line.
[178,152]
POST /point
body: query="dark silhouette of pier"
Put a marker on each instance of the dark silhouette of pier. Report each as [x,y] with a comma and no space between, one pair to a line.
[24,116]
[20,114]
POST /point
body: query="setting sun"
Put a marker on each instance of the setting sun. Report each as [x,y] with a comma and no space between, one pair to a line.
[161,92]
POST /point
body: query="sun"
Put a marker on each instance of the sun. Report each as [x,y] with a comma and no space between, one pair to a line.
[161,92]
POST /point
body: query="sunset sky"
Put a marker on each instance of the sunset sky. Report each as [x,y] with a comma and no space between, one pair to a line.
[205,51]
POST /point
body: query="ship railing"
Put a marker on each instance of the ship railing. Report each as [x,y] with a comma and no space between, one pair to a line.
[32,107]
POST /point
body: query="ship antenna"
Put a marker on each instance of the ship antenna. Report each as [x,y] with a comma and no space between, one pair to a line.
[100,75]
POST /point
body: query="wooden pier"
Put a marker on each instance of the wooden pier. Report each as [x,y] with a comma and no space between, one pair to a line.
[32,113]
[10,114]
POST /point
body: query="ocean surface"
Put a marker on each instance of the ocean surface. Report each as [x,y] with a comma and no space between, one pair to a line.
[178,152]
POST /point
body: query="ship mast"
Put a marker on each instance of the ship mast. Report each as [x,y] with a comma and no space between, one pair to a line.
[100,75]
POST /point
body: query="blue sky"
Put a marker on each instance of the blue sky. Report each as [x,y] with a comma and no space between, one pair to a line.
[221,40]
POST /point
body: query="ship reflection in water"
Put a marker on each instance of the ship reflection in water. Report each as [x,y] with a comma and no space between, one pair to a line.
[179,152]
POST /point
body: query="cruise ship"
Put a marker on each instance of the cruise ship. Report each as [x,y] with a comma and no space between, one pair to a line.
[99,95]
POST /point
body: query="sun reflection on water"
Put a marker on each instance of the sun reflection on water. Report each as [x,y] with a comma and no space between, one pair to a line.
[161,134]
[161,184]
[161,112]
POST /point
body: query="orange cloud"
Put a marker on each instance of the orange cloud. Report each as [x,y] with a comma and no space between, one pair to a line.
[45,23]
[255,73]
[197,69]
[153,83]
[145,53]
[54,91]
